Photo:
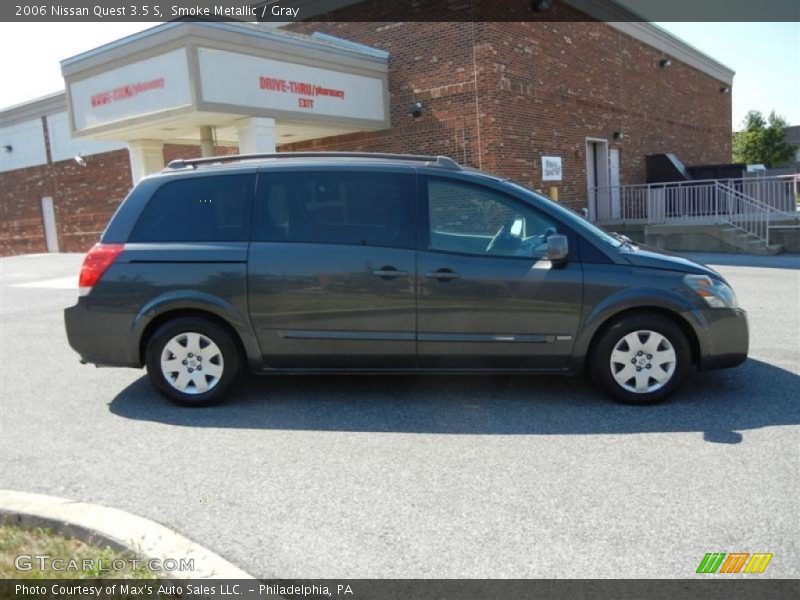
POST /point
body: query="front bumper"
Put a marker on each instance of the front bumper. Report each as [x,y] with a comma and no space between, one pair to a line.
[726,340]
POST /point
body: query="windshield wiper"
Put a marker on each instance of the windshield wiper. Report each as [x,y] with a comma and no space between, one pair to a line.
[625,240]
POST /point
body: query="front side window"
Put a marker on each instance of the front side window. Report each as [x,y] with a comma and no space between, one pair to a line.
[329,207]
[469,219]
[198,209]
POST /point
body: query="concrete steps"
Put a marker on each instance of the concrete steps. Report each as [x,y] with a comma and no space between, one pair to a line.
[747,242]
[763,250]
[708,237]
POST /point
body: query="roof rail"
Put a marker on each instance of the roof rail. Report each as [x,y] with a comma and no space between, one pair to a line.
[442,162]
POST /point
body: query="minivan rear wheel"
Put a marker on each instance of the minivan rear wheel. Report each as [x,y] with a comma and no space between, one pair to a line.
[641,358]
[192,361]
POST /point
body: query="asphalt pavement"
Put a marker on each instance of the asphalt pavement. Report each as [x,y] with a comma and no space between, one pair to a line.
[406,477]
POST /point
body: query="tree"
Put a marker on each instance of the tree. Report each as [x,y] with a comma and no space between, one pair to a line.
[762,142]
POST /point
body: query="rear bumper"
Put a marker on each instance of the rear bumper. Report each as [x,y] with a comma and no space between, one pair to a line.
[726,340]
[99,337]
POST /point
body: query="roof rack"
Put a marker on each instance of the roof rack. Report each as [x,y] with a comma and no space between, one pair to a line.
[442,162]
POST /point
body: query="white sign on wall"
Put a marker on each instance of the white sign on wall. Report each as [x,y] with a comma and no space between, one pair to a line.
[251,81]
[141,88]
[23,146]
[551,168]
[65,147]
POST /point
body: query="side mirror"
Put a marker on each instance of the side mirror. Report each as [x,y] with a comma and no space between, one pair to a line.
[557,248]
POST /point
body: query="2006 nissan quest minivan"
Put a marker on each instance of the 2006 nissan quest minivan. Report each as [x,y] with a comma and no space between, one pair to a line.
[346,262]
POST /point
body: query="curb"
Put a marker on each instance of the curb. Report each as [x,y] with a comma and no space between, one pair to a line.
[121,530]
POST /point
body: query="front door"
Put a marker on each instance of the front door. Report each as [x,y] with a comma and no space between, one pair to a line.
[488,296]
[331,269]
[597,180]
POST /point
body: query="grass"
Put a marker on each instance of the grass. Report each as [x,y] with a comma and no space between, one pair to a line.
[16,541]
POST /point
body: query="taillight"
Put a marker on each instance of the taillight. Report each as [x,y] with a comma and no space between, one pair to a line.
[95,264]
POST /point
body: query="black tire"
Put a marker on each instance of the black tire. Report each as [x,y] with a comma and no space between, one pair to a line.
[600,366]
[230,361]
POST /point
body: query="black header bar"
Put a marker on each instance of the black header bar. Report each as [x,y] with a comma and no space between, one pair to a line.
[398,10]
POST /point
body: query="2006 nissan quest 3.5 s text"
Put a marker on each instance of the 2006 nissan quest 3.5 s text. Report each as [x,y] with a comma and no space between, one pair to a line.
[348,262]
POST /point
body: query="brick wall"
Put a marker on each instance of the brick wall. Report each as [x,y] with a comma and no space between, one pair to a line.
[560,83]
[499,96]
[496,96]
[429,62]
[84,199]
[21,225]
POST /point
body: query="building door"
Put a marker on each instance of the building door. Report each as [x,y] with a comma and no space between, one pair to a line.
[488,296]
[49,219]
[597,179]
[613,166]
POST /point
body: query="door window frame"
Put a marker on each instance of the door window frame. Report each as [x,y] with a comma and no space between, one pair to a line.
[424,230]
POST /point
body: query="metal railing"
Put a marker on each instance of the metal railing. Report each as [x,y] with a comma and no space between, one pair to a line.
[745,213]
[750,204]
[692,201]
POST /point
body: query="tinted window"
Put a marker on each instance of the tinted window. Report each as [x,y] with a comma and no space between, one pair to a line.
[198,209]
[474,220]
[372,209]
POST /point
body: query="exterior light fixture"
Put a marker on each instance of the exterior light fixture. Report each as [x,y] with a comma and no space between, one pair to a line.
[80,160]
[416,109]
[618,135]
[724,90]
[541,6]
[7,149]
[665,62]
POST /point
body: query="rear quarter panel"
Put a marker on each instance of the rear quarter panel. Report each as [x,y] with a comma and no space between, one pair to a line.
[148,280]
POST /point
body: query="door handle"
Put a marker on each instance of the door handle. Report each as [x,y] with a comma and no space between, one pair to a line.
[442,275]
[389,273]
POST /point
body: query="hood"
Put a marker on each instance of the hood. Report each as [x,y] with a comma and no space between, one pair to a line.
[654,258]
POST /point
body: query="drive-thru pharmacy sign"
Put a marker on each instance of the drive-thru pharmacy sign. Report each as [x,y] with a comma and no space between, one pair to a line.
[304,90]
[141,88]
[124,92]
[172,88]
[263,83]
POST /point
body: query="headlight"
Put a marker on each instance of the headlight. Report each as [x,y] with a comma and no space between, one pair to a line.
[713,291]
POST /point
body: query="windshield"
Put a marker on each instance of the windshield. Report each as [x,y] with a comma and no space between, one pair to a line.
[570,217]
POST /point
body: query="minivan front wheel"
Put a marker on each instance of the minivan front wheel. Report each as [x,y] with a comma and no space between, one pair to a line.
[192,361]
[641,358]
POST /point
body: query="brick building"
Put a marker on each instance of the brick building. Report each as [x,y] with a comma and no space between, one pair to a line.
[597,97]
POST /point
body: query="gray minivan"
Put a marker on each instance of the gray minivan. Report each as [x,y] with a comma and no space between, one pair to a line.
[352,262]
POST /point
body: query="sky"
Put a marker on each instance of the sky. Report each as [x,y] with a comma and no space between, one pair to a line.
[765,56]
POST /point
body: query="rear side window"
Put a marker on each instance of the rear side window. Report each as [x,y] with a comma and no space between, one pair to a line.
[328,207]
[198,209]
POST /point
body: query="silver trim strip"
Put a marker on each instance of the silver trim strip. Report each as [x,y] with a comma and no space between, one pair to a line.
[325,334]
[486,337]
[309,334]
